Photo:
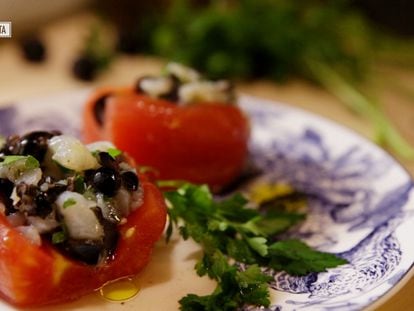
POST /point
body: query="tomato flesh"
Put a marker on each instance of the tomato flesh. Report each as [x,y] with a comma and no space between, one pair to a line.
[201,143]
[32,276]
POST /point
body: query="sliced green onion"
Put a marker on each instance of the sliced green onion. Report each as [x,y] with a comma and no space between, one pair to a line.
[69,202]
[30,163]
[113,152]
[58,237]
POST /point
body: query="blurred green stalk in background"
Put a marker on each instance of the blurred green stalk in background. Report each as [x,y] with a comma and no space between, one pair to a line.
[327,42]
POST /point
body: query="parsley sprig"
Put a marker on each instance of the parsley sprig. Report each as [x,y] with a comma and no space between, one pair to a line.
[236,241]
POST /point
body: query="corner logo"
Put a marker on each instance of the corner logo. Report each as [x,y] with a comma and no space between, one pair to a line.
[5,29]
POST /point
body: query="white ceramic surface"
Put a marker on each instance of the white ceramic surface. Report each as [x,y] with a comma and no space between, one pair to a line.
[361,208]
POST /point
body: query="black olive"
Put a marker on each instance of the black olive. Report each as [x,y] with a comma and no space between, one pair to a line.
[106,181]
[87,251]
[130,180]
[54,191]
[33,49]
[36,144]
[6,189]
[99,108]
[90,251]
[172,96]
[33,143]
[111,238]
[137,88]
[85,68]
[88,176]
[107,161]
[12,146]
[111,234]
[43,205]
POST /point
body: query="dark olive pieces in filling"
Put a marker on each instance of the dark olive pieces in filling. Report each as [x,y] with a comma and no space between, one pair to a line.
[130,181]
[6,189]
[179,85]
[34,144]
[67,192]
[106,181]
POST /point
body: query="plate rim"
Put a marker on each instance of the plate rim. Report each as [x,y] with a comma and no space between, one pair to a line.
[405,277]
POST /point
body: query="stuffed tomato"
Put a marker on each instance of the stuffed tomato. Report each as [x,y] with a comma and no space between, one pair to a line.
[179,124]
[72,218]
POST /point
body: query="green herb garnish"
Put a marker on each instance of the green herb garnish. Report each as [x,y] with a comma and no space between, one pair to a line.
[59,237]
[297,258]
[227,231]
[113,152]
[69,202]
[226,39]
[30,161]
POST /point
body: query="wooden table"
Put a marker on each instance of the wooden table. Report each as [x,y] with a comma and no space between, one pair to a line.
[20,80]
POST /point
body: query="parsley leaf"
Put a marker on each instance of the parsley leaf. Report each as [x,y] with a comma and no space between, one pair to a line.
[259,244]
[297,258]
[235,287]
[230,233]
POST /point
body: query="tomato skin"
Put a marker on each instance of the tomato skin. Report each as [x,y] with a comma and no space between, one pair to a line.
[33,276]
[201,143]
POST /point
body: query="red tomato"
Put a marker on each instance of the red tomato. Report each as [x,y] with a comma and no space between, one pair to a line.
[201,143]
[31,275]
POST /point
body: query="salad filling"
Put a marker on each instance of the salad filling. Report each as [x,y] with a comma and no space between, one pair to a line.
[177,84]
[56,190]
[184,86]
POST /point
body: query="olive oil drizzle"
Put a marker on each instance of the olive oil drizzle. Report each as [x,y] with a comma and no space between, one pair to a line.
[120,290]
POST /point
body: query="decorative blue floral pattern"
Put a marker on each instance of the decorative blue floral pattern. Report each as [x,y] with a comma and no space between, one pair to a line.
[361,201]
[359,198]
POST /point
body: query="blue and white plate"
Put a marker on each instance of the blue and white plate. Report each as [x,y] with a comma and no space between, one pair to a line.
[361,208]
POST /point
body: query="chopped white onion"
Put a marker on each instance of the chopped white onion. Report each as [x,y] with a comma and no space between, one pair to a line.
[15,198]
[123,202]
[30,177]
[78,216]
[17,171]
[102,145]
[71,153]
[183,73]
[156,87]
[109,210]
[136,200]
[204,91]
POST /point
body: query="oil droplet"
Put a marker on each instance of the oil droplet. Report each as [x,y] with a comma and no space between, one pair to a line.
[120,290]
[262,192]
